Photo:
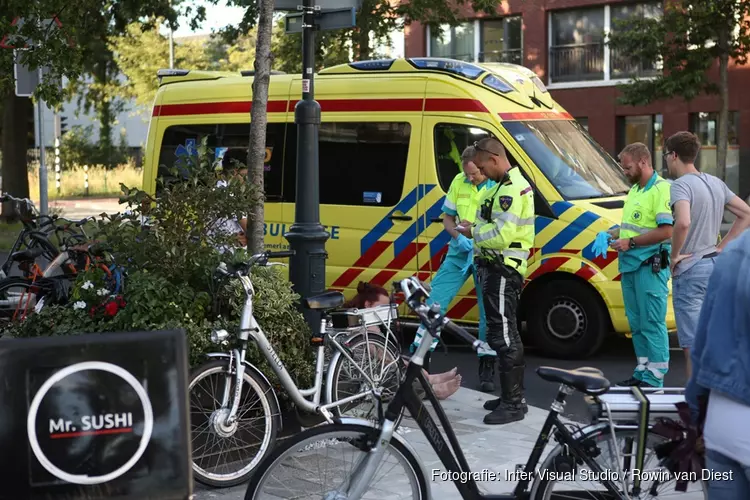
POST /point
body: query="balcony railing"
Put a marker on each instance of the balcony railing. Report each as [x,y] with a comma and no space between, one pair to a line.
[622,67]
[573,63]
[512,56]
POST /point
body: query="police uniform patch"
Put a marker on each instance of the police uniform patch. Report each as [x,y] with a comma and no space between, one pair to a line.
[505,202]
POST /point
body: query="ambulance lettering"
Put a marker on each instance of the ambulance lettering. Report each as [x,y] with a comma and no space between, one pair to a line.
[276,229]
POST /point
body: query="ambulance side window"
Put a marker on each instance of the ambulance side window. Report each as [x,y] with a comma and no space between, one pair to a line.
[450,141]
[361,164]
[228,142]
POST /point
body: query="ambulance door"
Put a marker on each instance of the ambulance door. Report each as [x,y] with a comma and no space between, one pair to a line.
[444,138]
[368,164]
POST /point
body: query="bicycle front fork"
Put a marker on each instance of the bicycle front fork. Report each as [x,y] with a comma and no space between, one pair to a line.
[237,359]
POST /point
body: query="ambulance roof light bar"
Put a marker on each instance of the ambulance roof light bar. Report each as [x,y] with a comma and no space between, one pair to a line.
[172,72]
[459,68]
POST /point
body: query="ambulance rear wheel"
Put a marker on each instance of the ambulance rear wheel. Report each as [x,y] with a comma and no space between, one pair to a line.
[566,320]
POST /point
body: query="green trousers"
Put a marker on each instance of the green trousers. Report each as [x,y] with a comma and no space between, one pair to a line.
[645,295]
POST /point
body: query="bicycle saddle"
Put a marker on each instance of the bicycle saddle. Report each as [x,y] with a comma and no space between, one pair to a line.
[585,379]
[324,301]
[28,254]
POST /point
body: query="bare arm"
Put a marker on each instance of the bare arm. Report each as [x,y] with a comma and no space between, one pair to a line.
[740,209]
[449,223]
[681,227]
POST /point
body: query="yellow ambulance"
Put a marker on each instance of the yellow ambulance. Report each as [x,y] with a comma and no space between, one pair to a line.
[391,137]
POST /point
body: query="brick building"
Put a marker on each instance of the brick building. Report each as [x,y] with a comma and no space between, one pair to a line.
[562,41]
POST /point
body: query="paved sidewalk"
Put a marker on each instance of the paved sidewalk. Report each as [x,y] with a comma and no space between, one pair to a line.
[492,448]
[85,207]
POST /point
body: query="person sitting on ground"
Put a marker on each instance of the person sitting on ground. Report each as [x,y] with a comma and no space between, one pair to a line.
[368,295]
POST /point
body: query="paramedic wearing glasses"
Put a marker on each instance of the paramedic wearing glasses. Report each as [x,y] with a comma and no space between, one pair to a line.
[503,235]
[461,204]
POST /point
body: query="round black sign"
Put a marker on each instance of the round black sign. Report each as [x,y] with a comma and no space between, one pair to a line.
[90,423]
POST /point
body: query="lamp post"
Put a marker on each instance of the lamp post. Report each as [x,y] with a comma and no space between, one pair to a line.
[307,237]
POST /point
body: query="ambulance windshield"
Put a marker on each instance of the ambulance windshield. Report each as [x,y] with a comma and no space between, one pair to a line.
[572,161]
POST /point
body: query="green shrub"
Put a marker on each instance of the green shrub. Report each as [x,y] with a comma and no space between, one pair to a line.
[170,283]
[77,150]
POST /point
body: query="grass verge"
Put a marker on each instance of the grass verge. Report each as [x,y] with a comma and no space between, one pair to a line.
[102,182]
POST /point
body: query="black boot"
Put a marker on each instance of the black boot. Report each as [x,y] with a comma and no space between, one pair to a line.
[493,404]
[487,373]
[510,408]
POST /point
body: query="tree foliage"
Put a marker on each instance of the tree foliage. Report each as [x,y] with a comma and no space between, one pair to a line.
[141,52]
[688,40]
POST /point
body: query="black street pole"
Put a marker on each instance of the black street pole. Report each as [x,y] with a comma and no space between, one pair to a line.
[307,237]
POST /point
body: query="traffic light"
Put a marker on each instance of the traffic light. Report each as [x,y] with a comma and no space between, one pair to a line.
[63,125]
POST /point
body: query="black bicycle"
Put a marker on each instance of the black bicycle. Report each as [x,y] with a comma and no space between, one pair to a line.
[371,461]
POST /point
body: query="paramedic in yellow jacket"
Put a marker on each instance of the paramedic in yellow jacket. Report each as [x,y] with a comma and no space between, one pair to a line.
[644,245]
[460,205]
[503,236]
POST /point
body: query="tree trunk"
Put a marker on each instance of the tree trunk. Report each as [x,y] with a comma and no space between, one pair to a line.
[363,32]
[16,112]
[722,128]
[258,121]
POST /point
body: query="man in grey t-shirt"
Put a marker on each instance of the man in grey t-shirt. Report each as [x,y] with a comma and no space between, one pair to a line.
[698,201]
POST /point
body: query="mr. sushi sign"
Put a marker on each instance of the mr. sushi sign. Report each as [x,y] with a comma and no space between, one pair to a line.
[90,423]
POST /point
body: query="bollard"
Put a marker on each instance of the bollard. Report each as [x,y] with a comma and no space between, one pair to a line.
[57,166]
[86,180]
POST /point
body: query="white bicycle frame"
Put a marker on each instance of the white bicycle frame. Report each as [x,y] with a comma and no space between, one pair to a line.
[250,329]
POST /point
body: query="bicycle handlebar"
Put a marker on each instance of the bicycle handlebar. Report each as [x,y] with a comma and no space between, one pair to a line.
[259,259]
[415,292]
[29,204]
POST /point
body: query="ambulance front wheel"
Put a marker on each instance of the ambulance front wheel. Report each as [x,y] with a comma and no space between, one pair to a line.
[566,319]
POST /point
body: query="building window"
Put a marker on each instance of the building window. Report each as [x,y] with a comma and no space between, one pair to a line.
[360,163]
[646,129]
[705,126]
[584,122]
[455,42]
[487,40]
[578,52]
[502,40]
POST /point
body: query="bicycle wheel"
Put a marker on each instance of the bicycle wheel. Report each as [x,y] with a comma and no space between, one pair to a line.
[297,467]
[380,361]
[618,454]
[19,297]
[223,455]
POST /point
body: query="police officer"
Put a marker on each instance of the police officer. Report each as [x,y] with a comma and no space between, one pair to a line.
[644,246]
[461,204]
[503,236]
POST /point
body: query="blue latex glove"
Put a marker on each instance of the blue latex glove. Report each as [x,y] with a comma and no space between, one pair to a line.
[601,243]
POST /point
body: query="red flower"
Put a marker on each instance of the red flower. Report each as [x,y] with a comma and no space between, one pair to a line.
[92,311]
[110,308]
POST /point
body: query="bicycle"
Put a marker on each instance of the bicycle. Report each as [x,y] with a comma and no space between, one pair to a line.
[576,448]
[228,419]
[32,239]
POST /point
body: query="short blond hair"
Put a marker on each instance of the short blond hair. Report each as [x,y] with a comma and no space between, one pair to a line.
[637,151]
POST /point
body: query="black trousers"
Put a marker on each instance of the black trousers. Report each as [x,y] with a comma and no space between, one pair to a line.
[501,292]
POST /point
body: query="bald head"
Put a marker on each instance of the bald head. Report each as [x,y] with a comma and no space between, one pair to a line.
[491,159]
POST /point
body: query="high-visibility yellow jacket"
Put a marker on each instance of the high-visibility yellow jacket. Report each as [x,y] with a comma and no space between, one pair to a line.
[508,234]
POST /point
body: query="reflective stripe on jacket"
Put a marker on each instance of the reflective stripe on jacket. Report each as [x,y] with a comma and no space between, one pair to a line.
[509,233]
